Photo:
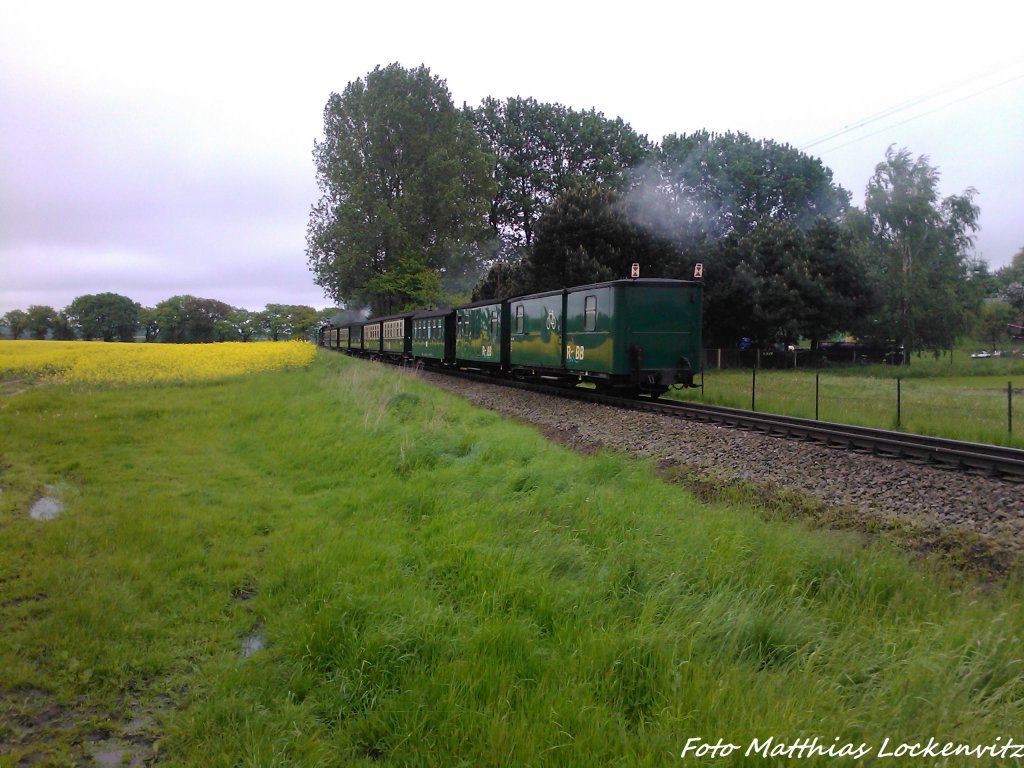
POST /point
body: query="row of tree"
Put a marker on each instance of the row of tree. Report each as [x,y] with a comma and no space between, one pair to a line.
[179,319]
[420,199]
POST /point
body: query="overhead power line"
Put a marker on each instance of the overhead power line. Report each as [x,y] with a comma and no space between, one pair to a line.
[895,110]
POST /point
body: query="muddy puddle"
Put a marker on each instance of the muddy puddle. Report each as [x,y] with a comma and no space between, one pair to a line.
[252,643]
[48,507]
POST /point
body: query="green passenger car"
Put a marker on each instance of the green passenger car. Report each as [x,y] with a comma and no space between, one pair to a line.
[639,334]
[535,332]
[432,335]
[478,334]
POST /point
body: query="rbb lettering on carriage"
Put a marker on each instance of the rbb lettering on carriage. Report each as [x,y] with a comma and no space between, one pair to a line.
[487,350]
[575,353]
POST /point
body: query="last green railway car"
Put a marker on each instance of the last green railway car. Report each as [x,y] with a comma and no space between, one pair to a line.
[640,335]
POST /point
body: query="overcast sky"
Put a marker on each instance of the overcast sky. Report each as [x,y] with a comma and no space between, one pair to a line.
[152,149]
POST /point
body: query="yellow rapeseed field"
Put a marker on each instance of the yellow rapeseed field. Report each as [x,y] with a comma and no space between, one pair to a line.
[102,362]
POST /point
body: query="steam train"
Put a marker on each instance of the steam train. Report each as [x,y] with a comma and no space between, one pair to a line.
[636,336]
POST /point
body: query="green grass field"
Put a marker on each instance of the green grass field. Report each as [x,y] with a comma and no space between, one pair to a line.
[966,399]
[342,566]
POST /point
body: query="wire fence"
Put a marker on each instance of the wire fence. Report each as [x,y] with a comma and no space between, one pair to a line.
[977,409]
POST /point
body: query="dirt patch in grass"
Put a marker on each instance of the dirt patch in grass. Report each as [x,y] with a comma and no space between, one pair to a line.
[16,386]
[37,729]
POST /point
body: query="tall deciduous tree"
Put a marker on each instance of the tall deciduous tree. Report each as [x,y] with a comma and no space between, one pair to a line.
[106,316]
[1014,296]
[41,320]
[588,234]
[239,325]
[285,321]
[405,192]
[541,151]
[921,249]
[993,320]
[780,283]
[16,321]
[724,184]
[1012,272]
[186,319]
[63,330]
[150,322]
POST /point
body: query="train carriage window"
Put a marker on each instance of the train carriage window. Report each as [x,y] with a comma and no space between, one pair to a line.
[590,314]
[519,318]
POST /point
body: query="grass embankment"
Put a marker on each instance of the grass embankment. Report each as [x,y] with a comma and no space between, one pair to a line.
[433,585]
[964,400]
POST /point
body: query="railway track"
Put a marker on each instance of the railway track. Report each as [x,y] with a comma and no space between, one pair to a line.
[993,460]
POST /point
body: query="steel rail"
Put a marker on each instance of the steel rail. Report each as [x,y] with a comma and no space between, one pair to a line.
[964,456]
[954,454]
